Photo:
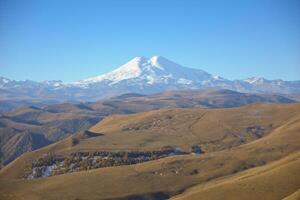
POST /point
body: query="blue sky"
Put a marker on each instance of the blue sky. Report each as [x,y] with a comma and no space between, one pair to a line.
[72,39]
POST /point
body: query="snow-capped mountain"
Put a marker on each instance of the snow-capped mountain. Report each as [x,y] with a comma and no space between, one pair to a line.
[156,70]
[140,75]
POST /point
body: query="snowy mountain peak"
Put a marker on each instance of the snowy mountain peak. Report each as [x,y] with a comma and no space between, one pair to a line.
[255,80]
[129,70]
[156,70]
[139,67]
[161,62]
[4,80]
[146,75]
[137,60]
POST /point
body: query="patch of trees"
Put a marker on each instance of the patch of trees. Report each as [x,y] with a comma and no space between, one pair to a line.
[256,130]
[50,165]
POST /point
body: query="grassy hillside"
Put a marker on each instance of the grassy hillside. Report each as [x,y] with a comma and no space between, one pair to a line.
[212,129]
[27,129]
[273,181]
[30,128]
[224,166]
[294,196]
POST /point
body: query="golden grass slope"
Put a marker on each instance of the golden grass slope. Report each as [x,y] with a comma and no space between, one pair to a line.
[246,164]
[273,181]
[55,122]
[212,129]
[294,196]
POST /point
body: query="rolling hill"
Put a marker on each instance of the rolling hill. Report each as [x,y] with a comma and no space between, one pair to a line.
[273,181]
[29,128]
[250,148]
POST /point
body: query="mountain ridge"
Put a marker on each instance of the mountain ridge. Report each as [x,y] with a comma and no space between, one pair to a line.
[139,75]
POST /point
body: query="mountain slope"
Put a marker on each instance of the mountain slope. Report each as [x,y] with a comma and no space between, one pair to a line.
[164,178]
[20,143]
[30,128]
[55,122]
[273,181]
[211,129]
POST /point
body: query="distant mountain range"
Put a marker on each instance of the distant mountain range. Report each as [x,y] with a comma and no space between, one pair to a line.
[139,75]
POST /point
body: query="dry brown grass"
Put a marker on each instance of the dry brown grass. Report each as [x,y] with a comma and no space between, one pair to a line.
[273,181]
[222,166]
